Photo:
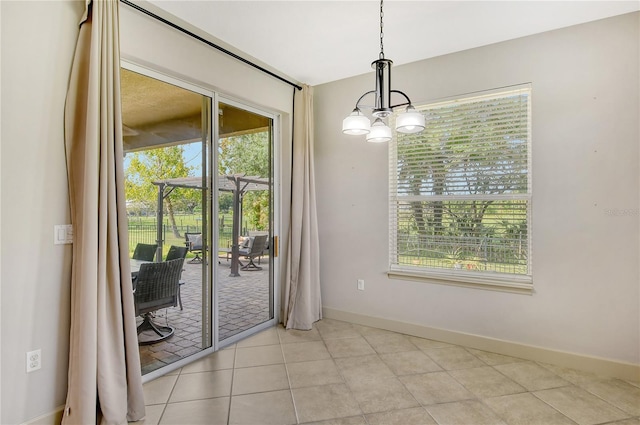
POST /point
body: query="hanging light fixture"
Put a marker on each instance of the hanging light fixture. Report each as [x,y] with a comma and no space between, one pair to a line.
[409,121]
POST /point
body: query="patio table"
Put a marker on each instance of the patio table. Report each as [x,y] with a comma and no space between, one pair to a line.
[135,268]
[135,265]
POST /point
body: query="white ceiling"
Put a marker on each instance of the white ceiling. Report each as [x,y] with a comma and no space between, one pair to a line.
[316,42]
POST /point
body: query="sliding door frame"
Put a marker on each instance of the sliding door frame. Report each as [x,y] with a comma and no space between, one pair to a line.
[275,218]
[208,325]
[209,287]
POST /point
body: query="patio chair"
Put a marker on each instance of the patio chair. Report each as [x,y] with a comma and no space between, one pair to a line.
[145,252]
[256,248]
[174,253]
[193,242]
[156,288]
[266,247]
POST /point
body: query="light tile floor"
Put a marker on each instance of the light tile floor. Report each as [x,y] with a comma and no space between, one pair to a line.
[345,374]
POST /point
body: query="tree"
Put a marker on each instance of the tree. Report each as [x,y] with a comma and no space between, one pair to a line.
[249,154]
[159,164]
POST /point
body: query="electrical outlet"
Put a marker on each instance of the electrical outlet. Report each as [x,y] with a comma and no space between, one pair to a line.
[360,284]
[34,360]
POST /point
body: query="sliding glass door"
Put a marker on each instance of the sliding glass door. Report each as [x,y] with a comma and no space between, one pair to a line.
[245,227]
[223,228]
[166,135]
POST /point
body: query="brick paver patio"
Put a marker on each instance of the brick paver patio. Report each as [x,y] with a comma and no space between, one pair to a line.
[244,303]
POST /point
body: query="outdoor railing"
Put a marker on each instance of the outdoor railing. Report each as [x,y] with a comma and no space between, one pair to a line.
[147,233]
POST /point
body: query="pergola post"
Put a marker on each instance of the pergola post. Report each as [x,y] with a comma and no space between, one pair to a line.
[159,217]
[235,247]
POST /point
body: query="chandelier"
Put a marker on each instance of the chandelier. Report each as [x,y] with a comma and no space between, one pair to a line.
[357,123]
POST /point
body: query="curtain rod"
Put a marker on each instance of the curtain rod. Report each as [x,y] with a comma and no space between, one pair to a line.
[209,43]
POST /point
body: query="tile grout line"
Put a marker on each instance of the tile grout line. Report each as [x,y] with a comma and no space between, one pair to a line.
[579,387]
[526,391]
[603,399]
[397,377]
[445,371]
[344,380]
[233,375]
[377,354]
[286,370]
[477,397]
[552,407]
[164,409]
[407,389]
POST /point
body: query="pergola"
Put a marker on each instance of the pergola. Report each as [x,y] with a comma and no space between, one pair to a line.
[237,184]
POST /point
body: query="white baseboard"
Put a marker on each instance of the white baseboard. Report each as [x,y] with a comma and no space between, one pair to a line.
[51,418]
[595,365]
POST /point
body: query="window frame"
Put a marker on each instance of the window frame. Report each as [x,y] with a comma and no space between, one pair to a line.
[508,282]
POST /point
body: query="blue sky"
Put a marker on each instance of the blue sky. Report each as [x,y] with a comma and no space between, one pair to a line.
[192,155]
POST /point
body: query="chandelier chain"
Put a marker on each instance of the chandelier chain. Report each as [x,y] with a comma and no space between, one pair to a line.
[381,31]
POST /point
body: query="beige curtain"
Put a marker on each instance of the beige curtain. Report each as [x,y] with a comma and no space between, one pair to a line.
[302,301]
[105,383]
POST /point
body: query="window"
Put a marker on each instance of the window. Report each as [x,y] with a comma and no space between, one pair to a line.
[460,193]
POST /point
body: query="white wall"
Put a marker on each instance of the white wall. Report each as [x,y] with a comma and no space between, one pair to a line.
[38,41]
[585,82]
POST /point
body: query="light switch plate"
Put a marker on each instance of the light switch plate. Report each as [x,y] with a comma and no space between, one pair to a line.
[62,234]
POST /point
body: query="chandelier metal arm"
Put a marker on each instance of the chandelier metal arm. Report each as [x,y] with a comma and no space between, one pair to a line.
[362,97]
[408,102]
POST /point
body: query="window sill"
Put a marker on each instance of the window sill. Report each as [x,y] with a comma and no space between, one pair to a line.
[471,279]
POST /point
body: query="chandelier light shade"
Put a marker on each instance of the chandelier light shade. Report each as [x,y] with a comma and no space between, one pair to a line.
[356,123]
[380,132]
[409,121]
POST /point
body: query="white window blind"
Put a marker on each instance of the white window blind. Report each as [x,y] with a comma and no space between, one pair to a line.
[460,192]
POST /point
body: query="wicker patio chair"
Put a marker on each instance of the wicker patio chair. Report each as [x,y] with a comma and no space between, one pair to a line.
[145,252]
[156,288]
[177,252]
